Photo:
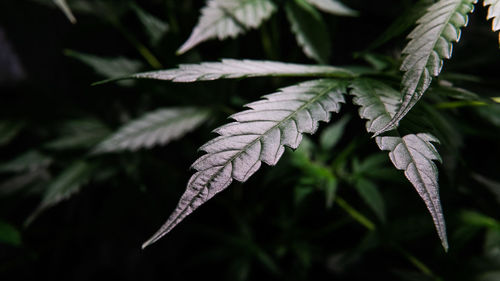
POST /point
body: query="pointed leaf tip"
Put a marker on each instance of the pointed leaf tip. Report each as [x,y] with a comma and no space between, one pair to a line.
[431,42]
[258,135]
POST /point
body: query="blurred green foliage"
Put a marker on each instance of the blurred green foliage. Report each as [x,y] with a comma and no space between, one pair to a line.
[335,209]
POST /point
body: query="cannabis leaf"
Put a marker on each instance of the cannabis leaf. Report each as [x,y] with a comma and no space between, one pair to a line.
[494,13]
[333,7]
[155,128]
[107,66]
[413,153]
[66,10]
[309,29]
[63,186]
[431,41]
[155,27]
[258,135]
[228,18]
[231,69]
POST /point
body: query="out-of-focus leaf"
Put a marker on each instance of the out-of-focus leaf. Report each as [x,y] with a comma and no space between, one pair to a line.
[332,134]
[27,182]
[11,69]
[28,161]
[9,130]
[334,7]
[79,134]
[258,135]
[64,186]
[228,18]
[155,128]
[431,42]
[491,113]
[402,23]
[493,13]
[232,69]
[309,29]
[371,195]
[108,67]
[414,152]
[9,234]
[493,186]
[155,27]
[478,219]
[66,10]
[489,276]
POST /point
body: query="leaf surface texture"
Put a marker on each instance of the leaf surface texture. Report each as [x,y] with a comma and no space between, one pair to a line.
[494,13]
[155,128]
[258,134]
[231,69]
[228,18]
[413,153]
[430,43]
[309,29]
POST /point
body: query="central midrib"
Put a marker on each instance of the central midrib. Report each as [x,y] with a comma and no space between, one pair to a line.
[327,90]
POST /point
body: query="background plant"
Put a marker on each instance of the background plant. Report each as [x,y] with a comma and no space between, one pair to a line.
[334,208]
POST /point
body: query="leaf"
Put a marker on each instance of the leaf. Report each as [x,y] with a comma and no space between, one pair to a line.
[64,186]
[155,128]
[372,197]
[9,130]
[155,27]
[414,153]
[66,10]
[232,69]
[309,29]
[228,18]
[402,23]
[106,66]
[28,161]
[431,42]
[333,7]
[494,13]
[259,134]
[332,134]
[9,234]
[78,134]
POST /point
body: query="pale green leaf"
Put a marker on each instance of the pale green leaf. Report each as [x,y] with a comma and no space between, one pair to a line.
[155,128]
[66,10]
[494,13]
[9,234]
[155,27]
[309,29]
[333,7]
[258,135]
[232,69]
[228,18]
[431,42]
[63,186]
[413,153]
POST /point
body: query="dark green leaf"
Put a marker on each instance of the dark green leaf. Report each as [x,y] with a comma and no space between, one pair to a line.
[309,29]
[9,234]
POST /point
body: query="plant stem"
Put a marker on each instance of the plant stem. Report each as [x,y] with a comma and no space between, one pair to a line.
[354,213]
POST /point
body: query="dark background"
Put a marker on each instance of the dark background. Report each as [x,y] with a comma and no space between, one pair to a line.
[252,231]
